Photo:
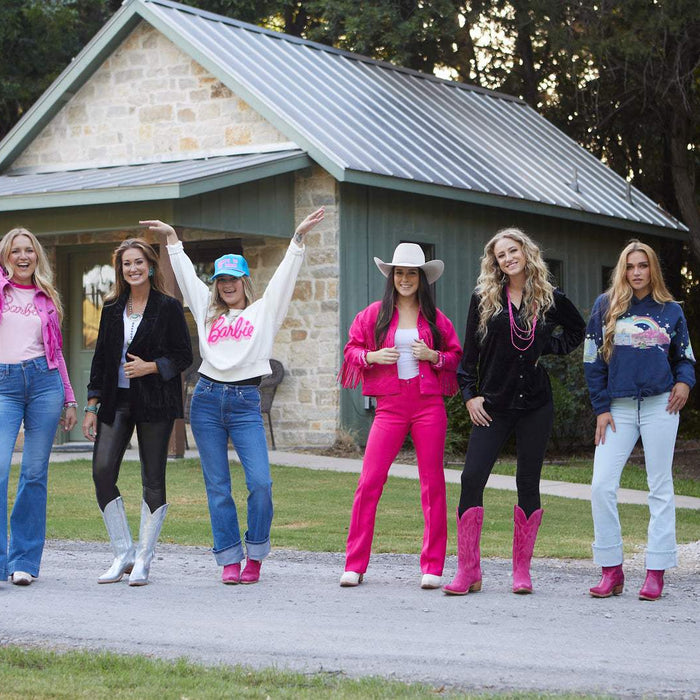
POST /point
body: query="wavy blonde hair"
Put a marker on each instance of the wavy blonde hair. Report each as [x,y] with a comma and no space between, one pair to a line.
[538,295]
[43,274]
[218,307]
[620,292]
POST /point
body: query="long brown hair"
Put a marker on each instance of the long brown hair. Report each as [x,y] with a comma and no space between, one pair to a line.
[386,310]
[120,284]
[620,292]
[43,274]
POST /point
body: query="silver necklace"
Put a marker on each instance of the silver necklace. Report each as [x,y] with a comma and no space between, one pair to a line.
[133,317]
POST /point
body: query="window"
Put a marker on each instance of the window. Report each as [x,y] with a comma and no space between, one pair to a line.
[556,271]
[606,275]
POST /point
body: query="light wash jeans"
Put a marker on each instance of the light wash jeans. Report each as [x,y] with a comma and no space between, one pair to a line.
[33,393]
[220,411]
[650,419]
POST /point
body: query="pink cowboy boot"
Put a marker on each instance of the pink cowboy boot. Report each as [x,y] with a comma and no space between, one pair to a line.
[468,577]
[653,585]
[611,583]
[524,536]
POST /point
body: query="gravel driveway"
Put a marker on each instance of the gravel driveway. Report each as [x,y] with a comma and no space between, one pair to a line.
[558,639]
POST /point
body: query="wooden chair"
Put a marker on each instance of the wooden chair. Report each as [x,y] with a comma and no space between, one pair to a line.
[268,388]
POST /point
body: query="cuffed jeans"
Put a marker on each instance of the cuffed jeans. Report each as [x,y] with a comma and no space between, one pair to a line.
[425,417]
[219,412]
[657,427]
[33,393]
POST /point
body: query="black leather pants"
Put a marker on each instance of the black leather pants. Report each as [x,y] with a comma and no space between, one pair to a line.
[112,441]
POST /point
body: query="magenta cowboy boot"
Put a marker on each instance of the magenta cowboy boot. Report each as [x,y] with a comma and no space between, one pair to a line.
[468,577]
[524,536]
[611,583]
[653,585]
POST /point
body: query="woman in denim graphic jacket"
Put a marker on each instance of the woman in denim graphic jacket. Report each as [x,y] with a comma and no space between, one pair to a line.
[639,367]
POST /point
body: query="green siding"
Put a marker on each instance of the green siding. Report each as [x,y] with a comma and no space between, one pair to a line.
[264,207]
[373,221]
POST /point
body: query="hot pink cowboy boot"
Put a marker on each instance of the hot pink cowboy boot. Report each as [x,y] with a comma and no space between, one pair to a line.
[653,585]
[524,536]
[611,583]
[468,577]
[251,572]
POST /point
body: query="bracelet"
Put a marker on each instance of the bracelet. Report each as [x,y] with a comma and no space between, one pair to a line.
[90,409]
[70,404]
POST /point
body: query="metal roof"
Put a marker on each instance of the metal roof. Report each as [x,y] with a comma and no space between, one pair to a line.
[149,181]
[373,123]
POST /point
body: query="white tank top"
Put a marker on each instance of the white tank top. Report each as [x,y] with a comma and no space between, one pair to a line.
[407,364]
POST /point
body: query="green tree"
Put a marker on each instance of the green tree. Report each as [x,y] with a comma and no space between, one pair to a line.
[37,41]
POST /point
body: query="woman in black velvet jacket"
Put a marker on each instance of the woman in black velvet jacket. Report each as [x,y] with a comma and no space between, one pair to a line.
[143,346]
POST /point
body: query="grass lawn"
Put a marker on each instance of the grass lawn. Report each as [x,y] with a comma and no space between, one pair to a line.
[312,510]
[45,674]
[580,471]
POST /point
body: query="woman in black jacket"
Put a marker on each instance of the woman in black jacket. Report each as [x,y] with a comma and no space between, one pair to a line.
[143,345]
[513,314]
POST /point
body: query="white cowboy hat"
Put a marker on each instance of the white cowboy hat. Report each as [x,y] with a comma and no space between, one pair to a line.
[412,255]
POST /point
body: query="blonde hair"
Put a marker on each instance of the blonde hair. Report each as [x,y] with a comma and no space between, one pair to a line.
[218,307]
[43,274]
[120,284]
[538,294]
[620,292]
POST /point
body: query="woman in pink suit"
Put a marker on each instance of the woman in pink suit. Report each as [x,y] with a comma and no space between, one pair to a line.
[405,352]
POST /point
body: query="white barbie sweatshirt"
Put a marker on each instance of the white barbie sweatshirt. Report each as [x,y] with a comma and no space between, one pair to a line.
[237,345]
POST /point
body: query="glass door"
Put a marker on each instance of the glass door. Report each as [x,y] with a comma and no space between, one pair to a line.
[90,279]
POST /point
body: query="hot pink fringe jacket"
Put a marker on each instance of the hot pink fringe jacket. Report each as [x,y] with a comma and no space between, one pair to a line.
[383,380]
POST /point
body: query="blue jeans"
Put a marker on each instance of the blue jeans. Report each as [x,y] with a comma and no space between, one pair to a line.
[657,427]
[33,393]
[219,412]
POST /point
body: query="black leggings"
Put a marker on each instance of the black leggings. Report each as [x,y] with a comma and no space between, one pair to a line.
[112,441]
[532,430]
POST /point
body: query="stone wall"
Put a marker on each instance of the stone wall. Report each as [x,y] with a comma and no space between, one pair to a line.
[148,101]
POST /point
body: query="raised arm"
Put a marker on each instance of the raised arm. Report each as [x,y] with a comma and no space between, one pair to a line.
[161,228]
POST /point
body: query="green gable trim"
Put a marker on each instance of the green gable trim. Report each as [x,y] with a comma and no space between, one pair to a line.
[510,203]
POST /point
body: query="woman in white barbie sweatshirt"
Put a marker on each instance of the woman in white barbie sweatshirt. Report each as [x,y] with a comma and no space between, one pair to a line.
[236,334]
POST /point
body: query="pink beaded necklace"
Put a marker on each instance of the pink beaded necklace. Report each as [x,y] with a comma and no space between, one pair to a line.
[521,334]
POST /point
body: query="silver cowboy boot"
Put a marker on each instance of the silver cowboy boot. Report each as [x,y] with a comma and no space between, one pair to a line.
[148,537]
[122,544]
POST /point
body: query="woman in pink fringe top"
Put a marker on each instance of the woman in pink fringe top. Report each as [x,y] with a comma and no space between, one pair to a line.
[405,352]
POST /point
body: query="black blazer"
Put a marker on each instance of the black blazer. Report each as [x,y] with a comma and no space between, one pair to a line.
[162,337]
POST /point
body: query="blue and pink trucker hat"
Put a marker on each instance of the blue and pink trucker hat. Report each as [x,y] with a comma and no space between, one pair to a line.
[230,264]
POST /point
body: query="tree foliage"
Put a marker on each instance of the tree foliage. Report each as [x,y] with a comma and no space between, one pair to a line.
[621,77]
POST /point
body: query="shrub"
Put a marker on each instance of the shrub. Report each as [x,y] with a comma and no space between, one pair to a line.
[574,421]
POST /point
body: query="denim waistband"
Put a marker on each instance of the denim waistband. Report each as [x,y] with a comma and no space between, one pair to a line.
[37,362]
[251,381]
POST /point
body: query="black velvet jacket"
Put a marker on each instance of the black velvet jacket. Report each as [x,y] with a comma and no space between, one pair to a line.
[508,378]
[162,337]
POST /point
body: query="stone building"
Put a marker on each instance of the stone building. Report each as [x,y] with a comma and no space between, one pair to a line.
[233,133]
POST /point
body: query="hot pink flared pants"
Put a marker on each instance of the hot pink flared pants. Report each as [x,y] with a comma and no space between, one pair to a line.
[426,419]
